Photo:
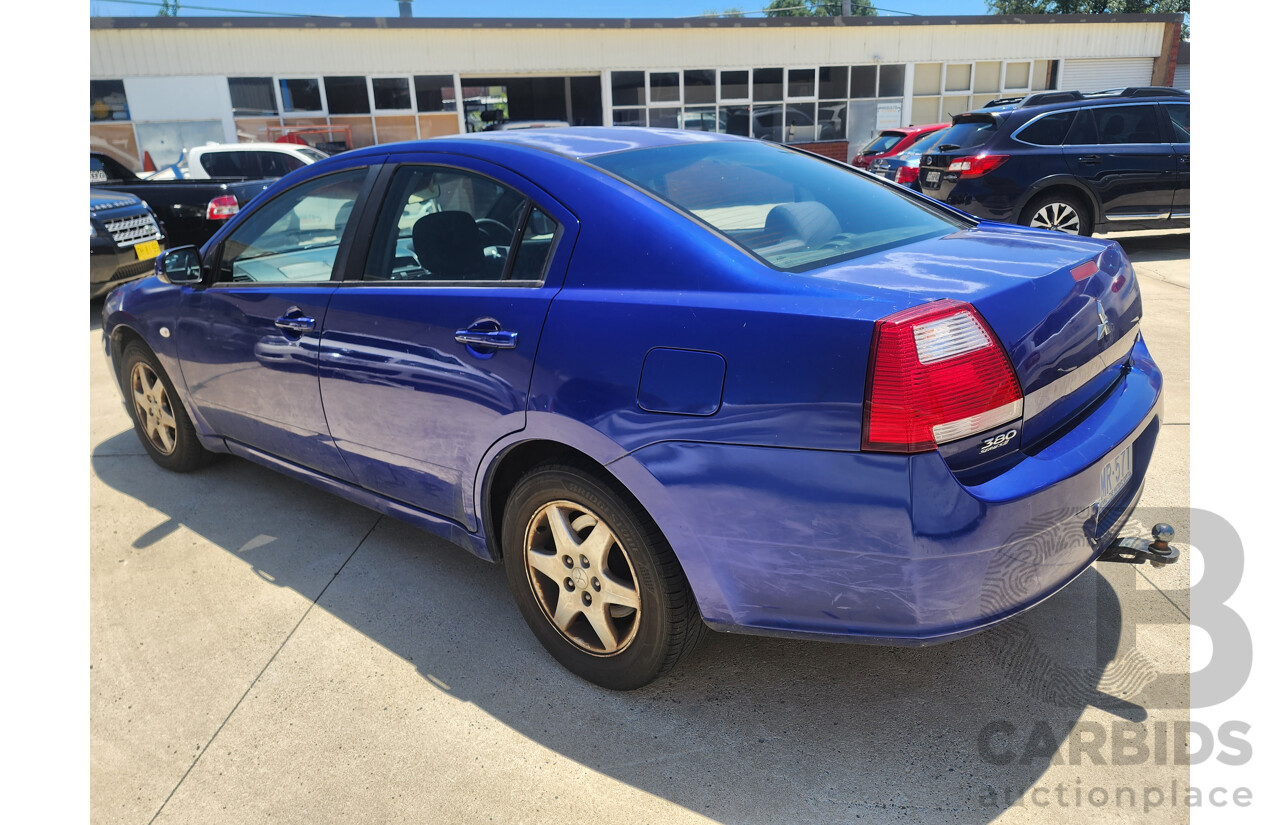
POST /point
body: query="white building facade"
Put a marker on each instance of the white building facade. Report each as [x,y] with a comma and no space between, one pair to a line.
[158,85]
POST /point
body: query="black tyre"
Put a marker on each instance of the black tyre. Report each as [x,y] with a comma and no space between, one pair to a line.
[158,416]
[595,579]
[1060,212]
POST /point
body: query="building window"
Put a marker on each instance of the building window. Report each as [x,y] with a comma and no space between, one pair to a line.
[252,96]
[392,93]
[346,95]
[942,91]
[300,95]
[766,84]
[434,93]
[107,100]
[700,86]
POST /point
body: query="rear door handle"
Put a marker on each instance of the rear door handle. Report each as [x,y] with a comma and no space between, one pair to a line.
[295,322]
[488,338]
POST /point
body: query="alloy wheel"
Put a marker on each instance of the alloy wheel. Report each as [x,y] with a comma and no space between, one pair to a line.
[582,578]
[1058,216]
[153,409]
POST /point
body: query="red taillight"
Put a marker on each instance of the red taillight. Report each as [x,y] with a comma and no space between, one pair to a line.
[222,207]
[907,174]
[937,374]
[975,166]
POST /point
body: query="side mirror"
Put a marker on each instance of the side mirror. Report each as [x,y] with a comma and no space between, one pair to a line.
[180,265]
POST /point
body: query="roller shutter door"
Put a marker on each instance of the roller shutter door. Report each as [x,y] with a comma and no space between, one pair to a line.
[1096,75]
[1182,77]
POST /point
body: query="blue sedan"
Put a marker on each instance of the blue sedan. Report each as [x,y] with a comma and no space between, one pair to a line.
[670,380]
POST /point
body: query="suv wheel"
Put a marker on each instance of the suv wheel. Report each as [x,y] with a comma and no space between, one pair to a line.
[1060,212]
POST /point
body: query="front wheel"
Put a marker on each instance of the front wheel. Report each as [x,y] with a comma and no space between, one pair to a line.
[595,580]
[159,419]
[1059,212]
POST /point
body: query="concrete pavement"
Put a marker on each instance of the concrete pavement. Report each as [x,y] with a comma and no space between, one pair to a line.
[264,651]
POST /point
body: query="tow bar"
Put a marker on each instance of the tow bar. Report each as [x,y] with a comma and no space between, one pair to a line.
[1135,550]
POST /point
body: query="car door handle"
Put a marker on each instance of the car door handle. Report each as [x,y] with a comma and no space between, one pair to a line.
[490,338]
[295,323]
[1090,160]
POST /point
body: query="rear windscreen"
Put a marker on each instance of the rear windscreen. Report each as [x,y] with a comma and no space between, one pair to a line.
[966,134]
[882,143]
[792,210]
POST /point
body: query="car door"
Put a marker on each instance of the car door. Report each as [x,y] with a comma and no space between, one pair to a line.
[1180,136]
[248,341]
[425,361]
[1120,153]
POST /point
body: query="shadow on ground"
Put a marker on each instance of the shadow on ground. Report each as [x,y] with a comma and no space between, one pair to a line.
[739,726]
[1154,247]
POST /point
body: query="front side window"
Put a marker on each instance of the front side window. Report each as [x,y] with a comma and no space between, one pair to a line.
[1180,117]
[793,211]
[442,224]
[295,237]
[1127,124]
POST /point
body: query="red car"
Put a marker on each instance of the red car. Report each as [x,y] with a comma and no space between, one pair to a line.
[891,142]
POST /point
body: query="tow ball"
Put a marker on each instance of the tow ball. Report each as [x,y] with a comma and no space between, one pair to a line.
[1158,551]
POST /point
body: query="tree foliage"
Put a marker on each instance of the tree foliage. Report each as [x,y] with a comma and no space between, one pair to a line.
[1089,6]
[168,8]
[818,8]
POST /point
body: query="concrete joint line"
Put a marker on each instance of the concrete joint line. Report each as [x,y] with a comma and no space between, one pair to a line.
[247,690]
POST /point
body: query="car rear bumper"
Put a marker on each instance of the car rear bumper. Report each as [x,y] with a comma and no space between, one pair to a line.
[891,549]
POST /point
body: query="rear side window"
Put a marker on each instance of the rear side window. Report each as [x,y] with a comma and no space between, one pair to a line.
[225,164]
[968,133]
[792,211]
[277,164]
[1049,130]
[1084,131]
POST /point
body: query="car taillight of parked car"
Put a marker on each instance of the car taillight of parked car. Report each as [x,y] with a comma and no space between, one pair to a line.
[936,374]
[222,207]
[975,166]
[907,174]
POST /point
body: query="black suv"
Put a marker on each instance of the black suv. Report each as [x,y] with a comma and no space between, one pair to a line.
[1069,161]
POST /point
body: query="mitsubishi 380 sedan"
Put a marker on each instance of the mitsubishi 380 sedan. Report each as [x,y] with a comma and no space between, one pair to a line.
[669,380]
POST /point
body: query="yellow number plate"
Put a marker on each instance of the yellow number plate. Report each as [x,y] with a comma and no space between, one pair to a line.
[147,249]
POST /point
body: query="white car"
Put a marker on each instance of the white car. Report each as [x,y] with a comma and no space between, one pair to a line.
[241,160]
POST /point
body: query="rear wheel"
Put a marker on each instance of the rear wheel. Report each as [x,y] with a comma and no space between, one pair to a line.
[158,417]
[595,580]
[1060,212]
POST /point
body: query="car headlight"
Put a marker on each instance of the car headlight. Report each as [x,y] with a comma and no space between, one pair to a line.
[93,230]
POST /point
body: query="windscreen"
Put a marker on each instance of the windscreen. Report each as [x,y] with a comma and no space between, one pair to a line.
[792,210]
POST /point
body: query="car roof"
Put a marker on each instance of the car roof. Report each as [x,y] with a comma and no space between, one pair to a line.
[222,147]
[577,142]
[1056,100]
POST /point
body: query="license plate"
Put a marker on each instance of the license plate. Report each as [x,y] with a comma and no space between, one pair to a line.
[147,249]
[933,177]
[1115,475]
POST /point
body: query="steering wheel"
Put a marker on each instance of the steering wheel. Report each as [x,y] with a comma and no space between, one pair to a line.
[496,233]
